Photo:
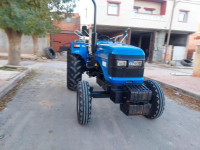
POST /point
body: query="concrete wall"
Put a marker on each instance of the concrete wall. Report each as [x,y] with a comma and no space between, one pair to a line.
[3,41]
[159,47]
[26,44]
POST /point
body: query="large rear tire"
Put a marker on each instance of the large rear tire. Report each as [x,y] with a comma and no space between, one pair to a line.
[157,101]
[75,68]
[84,103]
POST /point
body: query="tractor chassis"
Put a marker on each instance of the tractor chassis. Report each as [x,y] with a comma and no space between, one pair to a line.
[133,99]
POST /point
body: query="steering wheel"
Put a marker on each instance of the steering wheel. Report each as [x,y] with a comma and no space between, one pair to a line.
[103,37]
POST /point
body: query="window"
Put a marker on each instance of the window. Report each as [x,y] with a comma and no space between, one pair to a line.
[113,8]
[136,9]
[183,16]
[149,11]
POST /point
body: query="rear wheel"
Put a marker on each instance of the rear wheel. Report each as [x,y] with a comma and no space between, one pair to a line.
[157,101]
[75,68]
[84,103]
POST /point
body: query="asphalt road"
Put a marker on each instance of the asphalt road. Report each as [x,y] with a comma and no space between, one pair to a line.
[42,116]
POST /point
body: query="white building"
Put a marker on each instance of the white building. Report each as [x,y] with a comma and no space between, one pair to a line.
[149,21]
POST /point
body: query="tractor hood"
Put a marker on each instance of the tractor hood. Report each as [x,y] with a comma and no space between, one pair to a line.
[119,49]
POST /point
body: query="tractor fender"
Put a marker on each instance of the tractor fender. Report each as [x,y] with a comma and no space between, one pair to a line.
[79,49]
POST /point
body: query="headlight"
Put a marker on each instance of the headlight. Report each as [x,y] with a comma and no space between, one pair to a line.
[122,63]
[104,63]
[136,63]
[77,46]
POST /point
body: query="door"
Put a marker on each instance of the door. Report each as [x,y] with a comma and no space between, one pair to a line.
[178,53]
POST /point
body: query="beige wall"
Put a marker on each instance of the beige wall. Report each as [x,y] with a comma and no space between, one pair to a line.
[85,10]
[26,44]
[192,23]
[128,18]
[126,9]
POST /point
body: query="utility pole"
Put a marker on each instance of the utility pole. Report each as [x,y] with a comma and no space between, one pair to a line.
[170,29]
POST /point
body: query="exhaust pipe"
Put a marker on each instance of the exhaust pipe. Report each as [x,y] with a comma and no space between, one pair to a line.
[94,34]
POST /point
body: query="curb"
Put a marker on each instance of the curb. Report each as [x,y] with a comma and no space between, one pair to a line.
[13,82]
[188,93]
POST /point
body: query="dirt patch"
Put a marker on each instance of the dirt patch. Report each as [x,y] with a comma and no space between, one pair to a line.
[46,104]
[12,93]
[182,99]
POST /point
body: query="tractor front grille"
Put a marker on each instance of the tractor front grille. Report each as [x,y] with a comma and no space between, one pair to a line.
[127,71]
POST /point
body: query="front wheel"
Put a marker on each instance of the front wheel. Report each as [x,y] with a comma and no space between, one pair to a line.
[157,101]
[84,103]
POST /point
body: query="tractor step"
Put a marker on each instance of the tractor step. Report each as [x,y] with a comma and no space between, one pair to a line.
[133,109]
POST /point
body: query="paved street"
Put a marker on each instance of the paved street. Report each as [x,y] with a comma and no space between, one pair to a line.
[42,116]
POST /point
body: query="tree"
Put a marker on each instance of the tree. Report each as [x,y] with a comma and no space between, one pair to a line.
[29,17]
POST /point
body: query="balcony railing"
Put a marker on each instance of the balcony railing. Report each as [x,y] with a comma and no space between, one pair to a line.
[149,17]
[157,1]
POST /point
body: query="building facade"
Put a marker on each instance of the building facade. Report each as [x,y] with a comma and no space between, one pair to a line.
[148,21]
[66,35]
[194,40]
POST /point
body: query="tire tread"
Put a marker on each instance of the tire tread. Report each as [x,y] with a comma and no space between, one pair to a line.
[84,101]
[74,70]
[157,101]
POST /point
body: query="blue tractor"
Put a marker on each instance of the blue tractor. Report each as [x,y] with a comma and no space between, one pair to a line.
[118,69]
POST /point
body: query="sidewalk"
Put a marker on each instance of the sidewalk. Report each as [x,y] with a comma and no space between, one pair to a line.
[179,78]
[9,77]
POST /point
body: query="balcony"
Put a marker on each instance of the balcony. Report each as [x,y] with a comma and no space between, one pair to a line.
[157,1]
[151,17]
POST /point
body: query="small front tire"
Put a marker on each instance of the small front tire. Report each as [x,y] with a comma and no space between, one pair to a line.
[157,101]
[84,103]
